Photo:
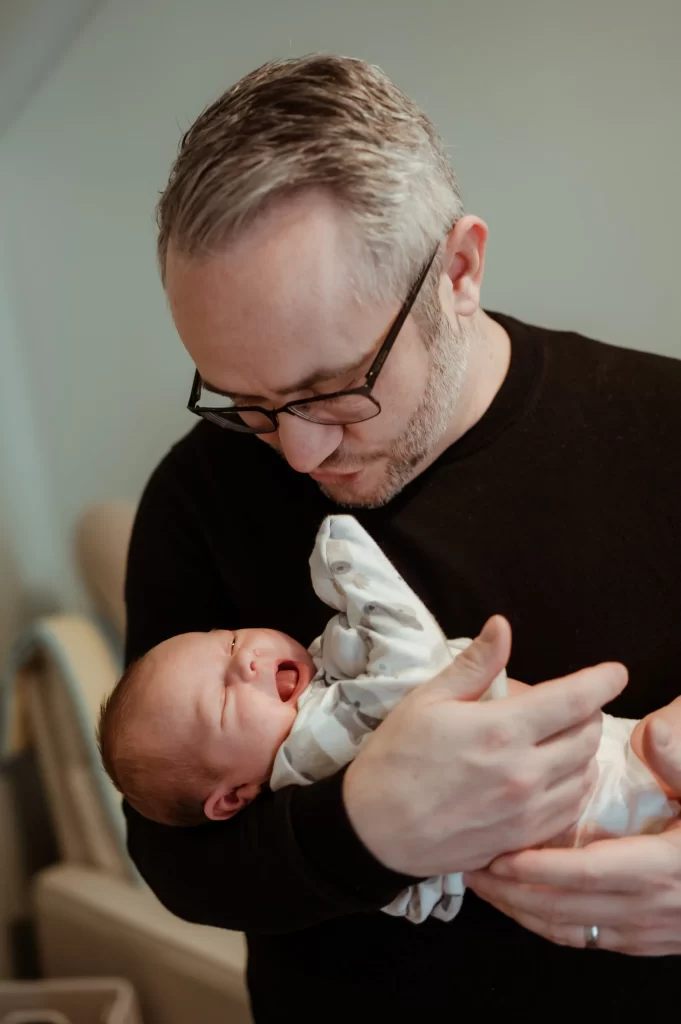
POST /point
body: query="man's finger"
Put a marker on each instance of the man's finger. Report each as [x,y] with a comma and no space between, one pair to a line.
[560,704]
[551,905]
[610,865]
[475,669]
[572,750]
[571,934]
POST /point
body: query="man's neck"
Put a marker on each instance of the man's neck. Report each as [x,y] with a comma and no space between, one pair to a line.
[489,359]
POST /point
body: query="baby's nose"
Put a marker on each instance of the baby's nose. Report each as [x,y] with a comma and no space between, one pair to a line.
[248,665]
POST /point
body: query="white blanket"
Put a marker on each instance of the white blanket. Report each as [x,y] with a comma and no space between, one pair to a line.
[380,644]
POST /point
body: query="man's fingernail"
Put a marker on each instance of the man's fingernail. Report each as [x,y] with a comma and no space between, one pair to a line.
[500,868]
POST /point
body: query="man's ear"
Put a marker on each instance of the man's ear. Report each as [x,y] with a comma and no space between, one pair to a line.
[224,803]
[464,264]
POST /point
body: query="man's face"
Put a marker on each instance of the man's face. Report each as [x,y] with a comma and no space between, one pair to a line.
[273,318]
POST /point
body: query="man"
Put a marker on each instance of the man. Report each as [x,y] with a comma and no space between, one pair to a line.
[325,280]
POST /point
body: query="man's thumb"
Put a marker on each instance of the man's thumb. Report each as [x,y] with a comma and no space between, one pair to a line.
[476,668]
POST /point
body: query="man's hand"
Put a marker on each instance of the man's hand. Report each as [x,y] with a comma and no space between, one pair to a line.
[447,784]
[630,888]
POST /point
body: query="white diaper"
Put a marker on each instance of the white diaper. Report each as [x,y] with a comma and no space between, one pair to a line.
[627,801]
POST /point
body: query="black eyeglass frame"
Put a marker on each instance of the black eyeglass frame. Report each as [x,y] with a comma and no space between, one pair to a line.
[292,407]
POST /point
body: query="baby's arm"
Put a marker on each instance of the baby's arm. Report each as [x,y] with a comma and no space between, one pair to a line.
[640,738]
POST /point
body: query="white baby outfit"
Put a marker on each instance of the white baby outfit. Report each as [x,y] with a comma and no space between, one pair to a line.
[382,643]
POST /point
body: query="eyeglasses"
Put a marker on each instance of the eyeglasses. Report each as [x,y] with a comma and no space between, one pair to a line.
[339,408]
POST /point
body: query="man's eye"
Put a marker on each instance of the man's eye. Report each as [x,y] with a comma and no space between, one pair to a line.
[343,386]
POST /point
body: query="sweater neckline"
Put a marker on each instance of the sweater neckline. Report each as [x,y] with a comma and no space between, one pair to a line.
[514,397]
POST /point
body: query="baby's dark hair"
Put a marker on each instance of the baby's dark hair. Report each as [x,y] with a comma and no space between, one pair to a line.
[170,789]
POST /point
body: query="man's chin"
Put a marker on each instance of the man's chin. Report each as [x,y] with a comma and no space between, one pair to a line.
[368,487]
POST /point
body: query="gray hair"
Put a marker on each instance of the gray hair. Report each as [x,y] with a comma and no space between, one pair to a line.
[317,122]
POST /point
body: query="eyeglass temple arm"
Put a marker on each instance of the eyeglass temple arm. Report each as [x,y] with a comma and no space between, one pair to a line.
[196,390]
[375,368]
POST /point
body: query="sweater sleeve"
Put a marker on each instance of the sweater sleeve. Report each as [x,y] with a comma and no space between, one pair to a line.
[291,859]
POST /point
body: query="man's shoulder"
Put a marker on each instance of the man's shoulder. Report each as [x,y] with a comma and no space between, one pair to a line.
[207,446]
[628,381]
[574,344]
[588,353]
[206,469]
[606,372]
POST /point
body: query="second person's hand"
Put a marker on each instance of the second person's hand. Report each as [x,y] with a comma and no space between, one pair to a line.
[448,783]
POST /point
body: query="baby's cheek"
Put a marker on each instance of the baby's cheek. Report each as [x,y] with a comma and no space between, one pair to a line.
[270,744]
[291,715]
[285,724]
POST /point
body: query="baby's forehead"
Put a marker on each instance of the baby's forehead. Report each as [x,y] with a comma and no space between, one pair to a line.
[255,633]
[173,670]
[186,644]
[261,633]
[181,655]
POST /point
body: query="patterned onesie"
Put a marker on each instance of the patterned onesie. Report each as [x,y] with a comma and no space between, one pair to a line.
[380,644]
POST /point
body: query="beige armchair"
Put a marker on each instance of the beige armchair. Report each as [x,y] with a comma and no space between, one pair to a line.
[94,915]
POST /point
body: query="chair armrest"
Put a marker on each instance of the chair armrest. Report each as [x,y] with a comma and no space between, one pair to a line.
[57,675]
[90,923]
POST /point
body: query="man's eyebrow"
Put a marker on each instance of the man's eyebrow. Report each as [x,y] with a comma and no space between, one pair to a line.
[312,379]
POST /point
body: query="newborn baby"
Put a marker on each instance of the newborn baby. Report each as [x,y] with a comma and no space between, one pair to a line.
[197,727]
[192,728]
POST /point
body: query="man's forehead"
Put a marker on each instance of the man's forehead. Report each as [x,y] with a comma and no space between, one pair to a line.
[269,319]
[298,254]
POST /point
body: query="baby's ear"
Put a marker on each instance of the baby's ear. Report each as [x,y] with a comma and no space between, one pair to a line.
[224,803]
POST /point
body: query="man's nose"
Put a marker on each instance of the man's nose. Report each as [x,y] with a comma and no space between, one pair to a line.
[306,445]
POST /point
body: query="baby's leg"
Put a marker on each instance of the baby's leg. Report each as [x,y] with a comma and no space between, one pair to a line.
[640,738]
[515,688]
[616,809]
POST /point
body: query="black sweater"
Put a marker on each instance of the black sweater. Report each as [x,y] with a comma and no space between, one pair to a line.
[560,509]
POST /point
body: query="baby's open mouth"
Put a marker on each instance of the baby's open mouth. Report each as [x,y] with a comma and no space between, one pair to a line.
[287,679]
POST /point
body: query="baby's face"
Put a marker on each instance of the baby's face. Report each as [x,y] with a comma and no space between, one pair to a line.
[230,695]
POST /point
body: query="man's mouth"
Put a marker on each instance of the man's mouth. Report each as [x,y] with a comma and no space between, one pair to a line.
[287,676]
[329,477]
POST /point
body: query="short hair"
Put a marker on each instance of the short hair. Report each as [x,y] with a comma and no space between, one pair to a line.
[166,788]
[318,122]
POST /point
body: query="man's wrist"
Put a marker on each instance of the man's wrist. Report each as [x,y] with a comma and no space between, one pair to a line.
[330,844]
